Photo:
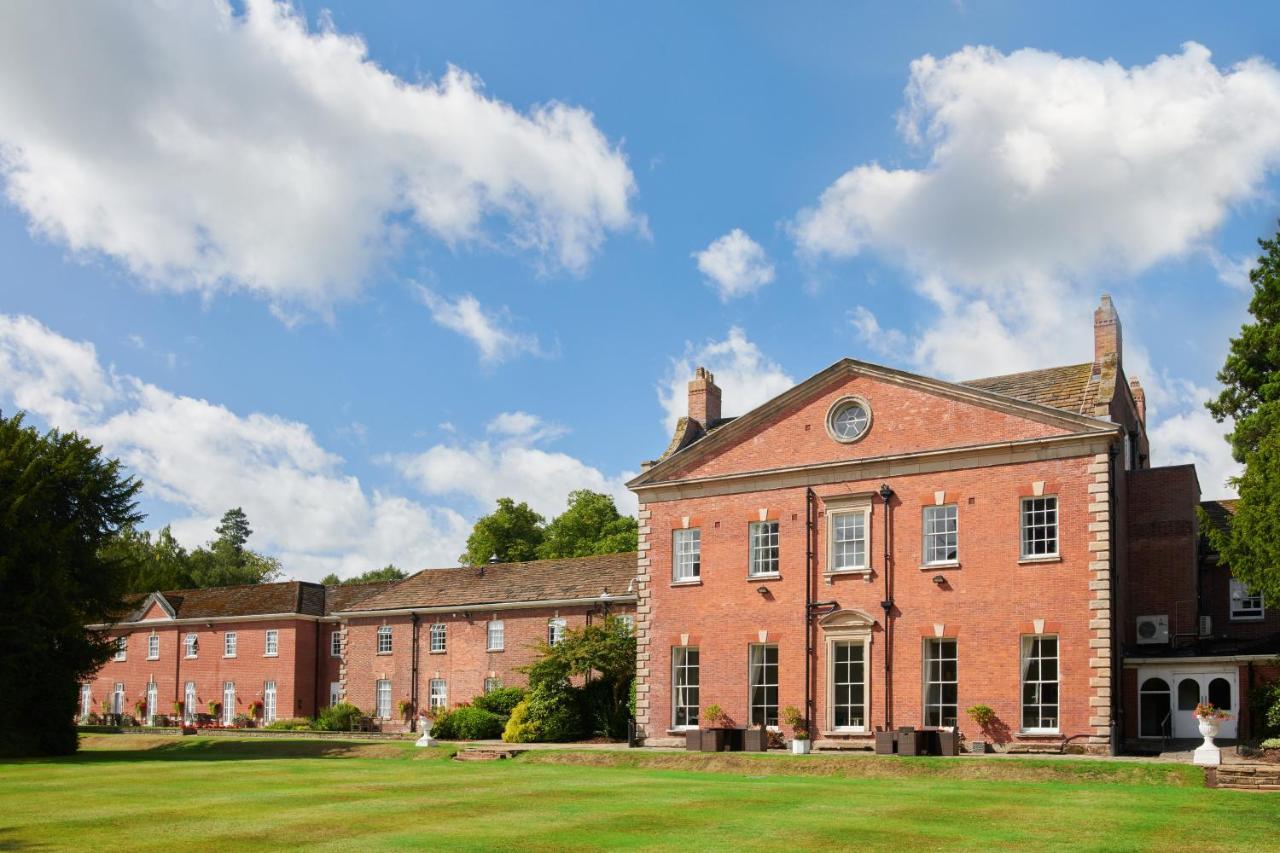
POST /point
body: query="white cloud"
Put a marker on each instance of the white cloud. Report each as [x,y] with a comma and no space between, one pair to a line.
[206,149]
[890,343]
[735,264]
[1192,435]
[1042,173]
[202,458]
[484,471]
[745,375]
[466,316]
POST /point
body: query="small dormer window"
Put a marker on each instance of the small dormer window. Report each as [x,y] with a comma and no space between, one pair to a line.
[849,419]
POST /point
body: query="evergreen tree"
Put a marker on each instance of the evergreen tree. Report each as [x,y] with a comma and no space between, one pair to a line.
[1251,398]
[591,525]
[61,502]
[387,573]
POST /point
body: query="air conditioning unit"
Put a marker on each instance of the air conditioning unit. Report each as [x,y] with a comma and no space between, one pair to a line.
[1206,626]
[1153,630]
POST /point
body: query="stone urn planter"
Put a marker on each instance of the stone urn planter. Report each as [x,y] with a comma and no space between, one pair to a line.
[1208,721]
[425,722]
[800,746]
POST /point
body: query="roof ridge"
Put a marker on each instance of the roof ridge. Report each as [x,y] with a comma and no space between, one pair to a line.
[512,563]
[1026,372]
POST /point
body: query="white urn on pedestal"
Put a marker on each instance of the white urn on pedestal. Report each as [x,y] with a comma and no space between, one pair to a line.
[1208,753]
[424,725]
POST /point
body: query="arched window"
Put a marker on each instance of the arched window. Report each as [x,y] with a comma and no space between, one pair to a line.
[1154,707]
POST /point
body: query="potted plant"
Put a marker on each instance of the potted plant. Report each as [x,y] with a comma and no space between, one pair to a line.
[255,711]
[405,708]
[799,729]
[140,709]
[714,735]
[215,711]
[985,717]
[755,738]
[1209,718]
[178,709]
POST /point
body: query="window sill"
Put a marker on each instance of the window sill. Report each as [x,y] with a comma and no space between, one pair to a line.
[840,572]
[862,732]
[767,576]
[437,651]
[228,657]
[157,657]
[494,651]
[679,730]
[1031,561]
[694,582]
[1246,618]
[382,654]
[190,657]
[1043,733]
[949,564]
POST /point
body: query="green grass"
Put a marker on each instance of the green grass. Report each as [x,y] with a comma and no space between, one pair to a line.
[144,793]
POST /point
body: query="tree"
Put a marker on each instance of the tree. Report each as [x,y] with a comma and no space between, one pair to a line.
[61,501]
[386,573]
[226,561]
[150,564]
[1251,398]
[591,525]
[512,531]
[234,530]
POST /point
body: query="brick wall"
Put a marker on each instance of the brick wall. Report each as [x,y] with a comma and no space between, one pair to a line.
[1162,536]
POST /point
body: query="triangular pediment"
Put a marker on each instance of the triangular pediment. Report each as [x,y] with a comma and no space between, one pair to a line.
[909,414]
[155,607]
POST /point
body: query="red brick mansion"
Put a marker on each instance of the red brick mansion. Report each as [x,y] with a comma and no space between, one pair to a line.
[873,547]
[881,549]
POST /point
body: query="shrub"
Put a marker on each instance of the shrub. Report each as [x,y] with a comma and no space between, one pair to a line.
[983,715]
[242,720]
[1265,702]
[298,724]
[549,713]
[1271,743]
[338,718]
[501,701]
[467,723]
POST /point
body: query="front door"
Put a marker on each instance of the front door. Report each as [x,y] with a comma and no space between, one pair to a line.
[1193,688]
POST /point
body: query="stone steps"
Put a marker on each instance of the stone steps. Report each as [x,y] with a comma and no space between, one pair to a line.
[484,753]
[1245,777]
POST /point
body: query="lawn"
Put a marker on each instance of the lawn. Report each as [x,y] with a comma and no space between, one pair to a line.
[141,792]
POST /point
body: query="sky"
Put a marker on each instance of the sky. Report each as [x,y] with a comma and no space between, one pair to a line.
[361,269]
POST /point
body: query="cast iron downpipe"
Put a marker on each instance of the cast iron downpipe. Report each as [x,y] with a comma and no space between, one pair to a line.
[1113,571]
[886,495]
[413,683]
[810,522]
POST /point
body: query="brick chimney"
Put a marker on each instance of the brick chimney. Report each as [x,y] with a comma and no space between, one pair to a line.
[704,399]
[1139,399]
[1106,333]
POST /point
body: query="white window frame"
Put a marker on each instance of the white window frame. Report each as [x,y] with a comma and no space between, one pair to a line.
[928,659]
[269,702]
[495,635]
[335,693]
[153,646]
[833,518]
[862,643]
[555,630]
[1025,657]
[437,693]
[228,702]
[685,692]
[122,650]
[1023,527]
[686,555]
[935,527]
[382,698]
[491,684]
[335,643]
[384,646]
[628,621]
[763,549]
[117,698]
[761,670]
[86,700]
[438,638]
[189,700]
[271,643]
[153,699]
[191,646]
[1245,605]
[229,644]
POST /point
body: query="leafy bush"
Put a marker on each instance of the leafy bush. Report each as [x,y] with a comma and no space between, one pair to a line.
[501,701]
[338,718]
[1271,743]
[467,722]
[1265,701]
[298,724]
[519,729]
[551,713]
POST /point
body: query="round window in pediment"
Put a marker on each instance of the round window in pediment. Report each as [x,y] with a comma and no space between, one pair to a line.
[849,419]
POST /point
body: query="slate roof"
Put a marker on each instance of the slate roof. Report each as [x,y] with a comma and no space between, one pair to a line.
[1071,388]
[536,580]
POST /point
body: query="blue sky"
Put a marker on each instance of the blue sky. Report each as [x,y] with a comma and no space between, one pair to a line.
[251,263]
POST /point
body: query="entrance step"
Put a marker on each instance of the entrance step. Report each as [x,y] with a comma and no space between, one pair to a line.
[484,753]
[1247,777]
